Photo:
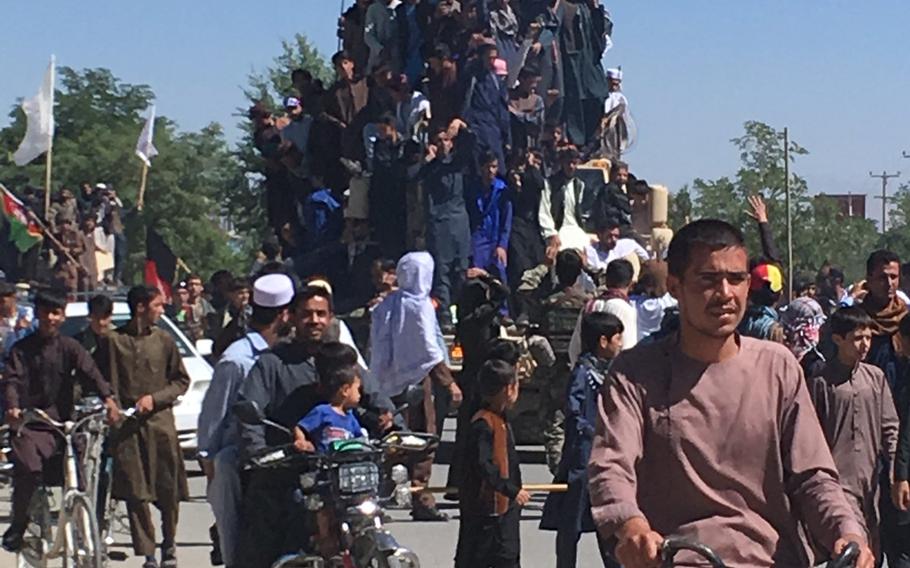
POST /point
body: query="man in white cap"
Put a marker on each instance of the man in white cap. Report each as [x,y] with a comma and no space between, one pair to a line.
[218,433]
[618,128]
[615,98]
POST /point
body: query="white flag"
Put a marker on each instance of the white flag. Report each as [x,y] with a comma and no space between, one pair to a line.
[39,116]
[144,147]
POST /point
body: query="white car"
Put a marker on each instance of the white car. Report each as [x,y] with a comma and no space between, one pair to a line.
[186,411]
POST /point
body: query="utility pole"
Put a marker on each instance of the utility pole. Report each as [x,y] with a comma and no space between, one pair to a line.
[789,213]
[884,176]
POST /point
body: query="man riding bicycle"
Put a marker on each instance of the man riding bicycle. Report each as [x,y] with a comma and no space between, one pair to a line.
[712,436]
[41,373]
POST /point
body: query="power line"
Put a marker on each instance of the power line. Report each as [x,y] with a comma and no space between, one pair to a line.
[885,176]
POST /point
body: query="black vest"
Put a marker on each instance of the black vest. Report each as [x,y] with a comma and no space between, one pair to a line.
[558,199]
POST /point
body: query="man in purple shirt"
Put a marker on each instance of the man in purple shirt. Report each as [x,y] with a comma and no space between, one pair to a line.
[712,436]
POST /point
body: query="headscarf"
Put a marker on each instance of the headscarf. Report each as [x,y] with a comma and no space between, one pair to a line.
[802,320]
[404,334]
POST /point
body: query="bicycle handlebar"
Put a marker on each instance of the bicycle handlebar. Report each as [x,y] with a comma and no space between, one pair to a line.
[847,558]
[673,545]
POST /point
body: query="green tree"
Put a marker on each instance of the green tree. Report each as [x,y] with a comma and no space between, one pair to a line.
[680,208]
[897,237]
[244,197]
[820,232]
[98,119]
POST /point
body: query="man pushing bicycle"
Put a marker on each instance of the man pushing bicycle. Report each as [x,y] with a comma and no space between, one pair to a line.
[41,373]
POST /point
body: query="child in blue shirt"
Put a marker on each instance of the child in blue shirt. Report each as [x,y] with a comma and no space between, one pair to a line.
[339,378]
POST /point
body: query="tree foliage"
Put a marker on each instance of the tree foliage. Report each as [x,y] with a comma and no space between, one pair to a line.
[245,196]
[820,232]
[98,120]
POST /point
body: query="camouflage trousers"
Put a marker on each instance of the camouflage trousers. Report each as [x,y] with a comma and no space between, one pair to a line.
[554,434]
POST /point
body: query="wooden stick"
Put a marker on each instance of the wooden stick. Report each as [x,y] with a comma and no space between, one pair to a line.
[51,237]
[48,164]
[183,265]
[49,158]
[145,172]
[530,488]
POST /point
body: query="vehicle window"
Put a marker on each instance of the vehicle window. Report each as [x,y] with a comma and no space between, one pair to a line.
[74,325]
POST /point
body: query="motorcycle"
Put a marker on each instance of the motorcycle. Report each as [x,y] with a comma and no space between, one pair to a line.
[346,486]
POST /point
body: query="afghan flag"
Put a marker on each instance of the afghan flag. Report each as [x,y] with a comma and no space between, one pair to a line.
[160,263]
[23,231]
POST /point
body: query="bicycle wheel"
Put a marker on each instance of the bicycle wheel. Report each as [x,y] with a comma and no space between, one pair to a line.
[39,534]
[83,546]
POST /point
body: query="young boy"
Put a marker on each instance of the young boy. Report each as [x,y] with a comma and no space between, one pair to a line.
[336,366]
[491,496]
[42,372]
[856,411]
[569,514]
[100,318]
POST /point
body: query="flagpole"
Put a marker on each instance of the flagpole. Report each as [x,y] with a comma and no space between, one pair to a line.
[145,173]
[183,265]
[50,236]
[49,158]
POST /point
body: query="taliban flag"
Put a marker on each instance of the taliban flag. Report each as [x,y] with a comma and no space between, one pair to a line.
[145,149]
[39,116]
[160,263]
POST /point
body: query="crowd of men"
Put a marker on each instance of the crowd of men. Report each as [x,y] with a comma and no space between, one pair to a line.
[86,245]
[452,127]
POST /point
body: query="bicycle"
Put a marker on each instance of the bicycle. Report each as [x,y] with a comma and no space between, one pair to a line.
[74,537]
[673,545]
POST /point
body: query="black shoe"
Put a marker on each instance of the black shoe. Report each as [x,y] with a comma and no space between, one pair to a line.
[215,554]
[150,564]
[13,540]
[431,514]
[169,556]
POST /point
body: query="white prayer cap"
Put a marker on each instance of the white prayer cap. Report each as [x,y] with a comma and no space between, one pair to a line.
[614,73]
[100,186]
[320,283]
[273,291]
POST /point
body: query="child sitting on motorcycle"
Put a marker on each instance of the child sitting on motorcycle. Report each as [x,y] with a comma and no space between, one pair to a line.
[339,380]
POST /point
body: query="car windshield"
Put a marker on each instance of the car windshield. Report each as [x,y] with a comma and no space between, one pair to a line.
[75,324]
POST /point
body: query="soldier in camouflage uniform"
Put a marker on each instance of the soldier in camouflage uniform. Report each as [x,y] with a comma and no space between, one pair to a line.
[557,316]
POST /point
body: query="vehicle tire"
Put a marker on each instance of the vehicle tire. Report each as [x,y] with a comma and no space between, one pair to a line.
[392,560]
[39,535]
[84,549]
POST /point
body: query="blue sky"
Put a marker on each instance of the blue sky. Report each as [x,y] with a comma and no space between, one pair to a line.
[836,72]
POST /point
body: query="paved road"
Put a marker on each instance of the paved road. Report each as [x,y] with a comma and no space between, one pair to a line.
[433,542]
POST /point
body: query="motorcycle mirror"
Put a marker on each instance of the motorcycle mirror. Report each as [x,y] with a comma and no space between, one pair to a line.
[248,412]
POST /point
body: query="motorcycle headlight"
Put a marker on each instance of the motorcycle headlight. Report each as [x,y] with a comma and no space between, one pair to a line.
[358,477]
[368,508]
